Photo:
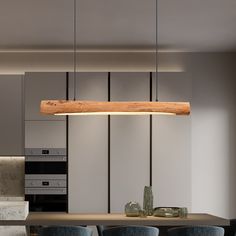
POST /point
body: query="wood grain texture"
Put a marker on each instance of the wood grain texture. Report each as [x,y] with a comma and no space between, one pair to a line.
[71,107]
[115,219]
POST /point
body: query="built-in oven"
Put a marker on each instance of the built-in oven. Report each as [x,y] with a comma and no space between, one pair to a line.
[46,179]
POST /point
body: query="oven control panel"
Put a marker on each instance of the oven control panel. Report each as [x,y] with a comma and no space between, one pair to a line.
[58,181]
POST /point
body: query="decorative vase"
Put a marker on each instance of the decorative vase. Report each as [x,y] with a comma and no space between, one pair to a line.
[132,209]
[148,200]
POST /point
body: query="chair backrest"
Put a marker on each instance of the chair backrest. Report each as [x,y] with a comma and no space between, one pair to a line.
[196,231]
[131,231]
[65,231]
[101,228]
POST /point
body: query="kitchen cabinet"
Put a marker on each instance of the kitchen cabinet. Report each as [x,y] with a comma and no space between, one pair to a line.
[12,119]
[172,145]
[88,149]
[45,134]
[44,131]
[129,142]
[43,86]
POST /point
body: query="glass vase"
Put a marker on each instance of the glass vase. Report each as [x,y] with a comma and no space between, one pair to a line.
[148,200]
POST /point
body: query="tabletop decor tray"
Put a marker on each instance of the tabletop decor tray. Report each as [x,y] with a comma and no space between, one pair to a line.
[166,211]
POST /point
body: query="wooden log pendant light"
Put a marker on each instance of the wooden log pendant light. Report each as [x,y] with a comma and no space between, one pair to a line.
[65,107]
[78,107]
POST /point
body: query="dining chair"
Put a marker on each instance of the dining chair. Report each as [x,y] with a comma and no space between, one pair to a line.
[131,231]
[196,231]
[65,231]
[101,228]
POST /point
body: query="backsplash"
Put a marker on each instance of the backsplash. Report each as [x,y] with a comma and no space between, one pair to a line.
[12,178]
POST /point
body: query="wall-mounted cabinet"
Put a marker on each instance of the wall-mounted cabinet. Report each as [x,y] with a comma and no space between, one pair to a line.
[126,144]
[88,145]
[129,141]
[172,144]
[44,131]
[43,86]
[45,134]
[12,120]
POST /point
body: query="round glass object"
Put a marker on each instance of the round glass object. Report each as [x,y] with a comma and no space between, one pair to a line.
[132,209]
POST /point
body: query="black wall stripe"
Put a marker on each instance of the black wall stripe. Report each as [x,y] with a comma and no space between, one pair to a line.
[109,147]
[150,157]
[67,141]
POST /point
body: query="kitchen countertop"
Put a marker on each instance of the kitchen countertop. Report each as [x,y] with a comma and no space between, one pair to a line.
[14,210]
[115,219]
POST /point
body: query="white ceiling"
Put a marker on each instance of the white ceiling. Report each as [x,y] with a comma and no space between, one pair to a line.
[192,25]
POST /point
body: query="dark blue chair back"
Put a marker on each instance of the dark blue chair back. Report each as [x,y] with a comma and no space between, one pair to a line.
[101,228]
[131,231]
[196,231]
[65,231]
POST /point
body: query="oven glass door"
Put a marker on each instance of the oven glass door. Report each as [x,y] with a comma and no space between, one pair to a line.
[45,167]
[47,203]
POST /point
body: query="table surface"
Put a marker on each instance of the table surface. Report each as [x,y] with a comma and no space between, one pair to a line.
[115,219]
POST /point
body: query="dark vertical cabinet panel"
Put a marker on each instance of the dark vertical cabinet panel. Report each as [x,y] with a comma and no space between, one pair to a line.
[11,106]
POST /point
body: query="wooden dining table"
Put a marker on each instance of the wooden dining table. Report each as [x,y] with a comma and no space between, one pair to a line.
[114,219]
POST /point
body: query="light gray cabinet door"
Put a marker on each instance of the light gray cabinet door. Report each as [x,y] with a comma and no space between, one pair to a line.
[129,142]
[43,86]
[11,125]
[88,145]
[172,145]
[45,131]
[45,134]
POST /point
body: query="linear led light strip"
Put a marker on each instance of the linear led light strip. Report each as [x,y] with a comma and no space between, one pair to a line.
[65,107]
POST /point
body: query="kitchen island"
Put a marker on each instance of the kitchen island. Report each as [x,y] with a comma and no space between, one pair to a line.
[114,219]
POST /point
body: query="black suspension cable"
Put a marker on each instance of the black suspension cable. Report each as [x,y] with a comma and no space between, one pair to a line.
[75,56]
[156,51]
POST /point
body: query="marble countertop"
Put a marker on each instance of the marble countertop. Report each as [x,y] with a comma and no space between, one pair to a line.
[14,210]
